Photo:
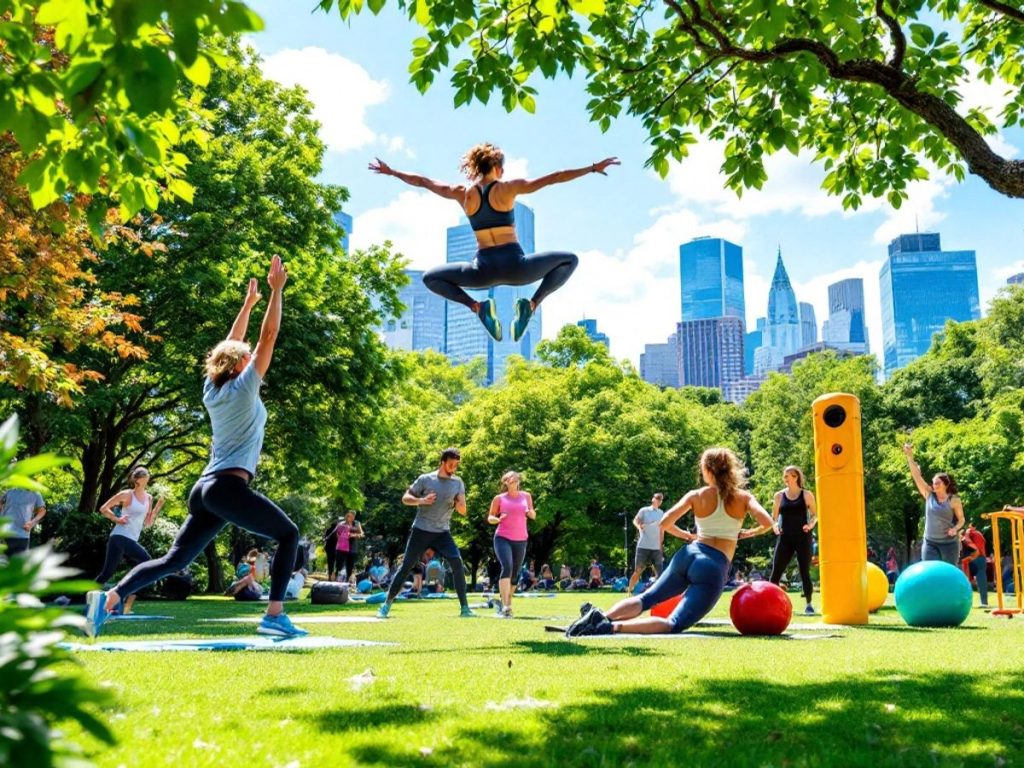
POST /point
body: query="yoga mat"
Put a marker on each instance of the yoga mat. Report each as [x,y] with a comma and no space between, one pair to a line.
[242,643]
[136,617]
[709,636]
[302,620]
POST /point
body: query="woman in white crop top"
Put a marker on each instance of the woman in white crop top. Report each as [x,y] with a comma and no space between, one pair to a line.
[697,571]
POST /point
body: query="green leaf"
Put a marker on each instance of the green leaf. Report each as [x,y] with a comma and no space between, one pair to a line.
[422,13]
[588,7]
[527,102]
[35,465]
[181,189]
[199,73]
[80,75]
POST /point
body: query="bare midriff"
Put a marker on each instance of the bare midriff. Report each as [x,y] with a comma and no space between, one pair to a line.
[489,238]
[726,546]
[236,472]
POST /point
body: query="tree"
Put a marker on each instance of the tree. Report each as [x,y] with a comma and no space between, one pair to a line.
[871,87]
[256,194]
[89,92]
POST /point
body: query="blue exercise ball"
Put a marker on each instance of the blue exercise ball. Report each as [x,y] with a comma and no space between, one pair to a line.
[380,597]
[365,586]
[933,593]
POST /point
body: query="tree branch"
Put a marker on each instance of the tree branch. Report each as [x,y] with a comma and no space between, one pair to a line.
[899,40]
[1007,10]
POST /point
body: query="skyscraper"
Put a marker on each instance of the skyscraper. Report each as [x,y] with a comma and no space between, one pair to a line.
[1017,279]
[711,279]
[343,220]
[751,342]
[845,328]
[659,363]
[710,351]
[465,335]
[421,325]
[783,334]
[922,287]
[590,326]
[808,325]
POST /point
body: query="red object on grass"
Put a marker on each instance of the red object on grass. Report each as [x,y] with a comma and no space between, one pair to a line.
[760,608]
[665,607]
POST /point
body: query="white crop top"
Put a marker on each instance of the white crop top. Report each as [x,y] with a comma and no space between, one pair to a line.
[719,524]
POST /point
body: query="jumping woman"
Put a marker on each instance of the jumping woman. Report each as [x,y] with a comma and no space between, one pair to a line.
[137,512]
[489,201]
[795,505]
[231,394]
[698,570]
[943,513]
[509,511]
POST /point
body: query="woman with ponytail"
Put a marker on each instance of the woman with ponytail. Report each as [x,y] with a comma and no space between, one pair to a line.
[489,202]
[222,495]
[509,511]
[795,505]
[697,571]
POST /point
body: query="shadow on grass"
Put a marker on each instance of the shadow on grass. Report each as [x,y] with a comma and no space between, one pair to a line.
[345,720]
[888,718]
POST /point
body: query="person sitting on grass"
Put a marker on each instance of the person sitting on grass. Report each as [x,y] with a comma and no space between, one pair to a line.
[564,577]
[596,581]
[547,578]
[697,571]
[245,588]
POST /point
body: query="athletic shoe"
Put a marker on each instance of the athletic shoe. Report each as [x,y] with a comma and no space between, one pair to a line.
[521,319]
[384,610]
[499,608]
[488,314]
[584,624]
[279,626]
[95,612]
[601,626]
[467,613]
[506,613]
[809,610]
[585,609]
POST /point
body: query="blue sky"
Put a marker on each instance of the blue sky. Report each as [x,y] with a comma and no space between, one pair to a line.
[627,227]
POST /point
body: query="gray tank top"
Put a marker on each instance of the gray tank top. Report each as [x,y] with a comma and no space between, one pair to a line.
[938,518]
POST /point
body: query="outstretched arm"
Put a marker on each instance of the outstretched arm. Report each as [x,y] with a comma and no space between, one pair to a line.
[447,191]
[264,351]
[915,471]
[526,186]
[241,324]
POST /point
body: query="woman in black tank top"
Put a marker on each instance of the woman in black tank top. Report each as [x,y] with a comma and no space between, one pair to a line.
[799,515]
[500,259]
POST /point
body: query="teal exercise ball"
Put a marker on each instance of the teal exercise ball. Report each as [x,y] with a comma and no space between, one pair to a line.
[365,586]
[378,597]
[933,594]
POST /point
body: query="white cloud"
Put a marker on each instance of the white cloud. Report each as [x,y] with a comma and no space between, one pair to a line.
[1002,273]
[415,222]
[341,92]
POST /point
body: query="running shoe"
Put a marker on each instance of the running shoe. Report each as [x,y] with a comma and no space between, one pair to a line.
[586,623]
[521,319]
[585,609]
[499,608]
[95,612]
[279,626]
[506,613]
[488,314]
[384,610]
[809,610]
[467,613]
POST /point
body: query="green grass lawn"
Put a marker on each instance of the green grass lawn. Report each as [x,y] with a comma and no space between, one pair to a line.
[446,694]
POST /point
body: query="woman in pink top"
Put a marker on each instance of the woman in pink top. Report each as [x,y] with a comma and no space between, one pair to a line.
[346,532]
[509,511]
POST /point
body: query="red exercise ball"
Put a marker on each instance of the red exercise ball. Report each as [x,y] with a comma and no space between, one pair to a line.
[663,609]
[760,608]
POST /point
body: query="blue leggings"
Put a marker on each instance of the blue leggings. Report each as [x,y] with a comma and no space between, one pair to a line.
[510,555]
[698,572]
[214,502]
[501,265]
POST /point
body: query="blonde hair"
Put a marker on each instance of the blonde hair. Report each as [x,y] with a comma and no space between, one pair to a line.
[797,471]
[138,473]
[223,358]
[508,477]
[728,471]
[481,160]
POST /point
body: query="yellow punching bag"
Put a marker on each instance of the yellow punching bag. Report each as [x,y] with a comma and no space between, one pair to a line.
[842,534]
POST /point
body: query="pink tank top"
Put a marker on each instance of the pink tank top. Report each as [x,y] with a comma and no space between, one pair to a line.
[344,531]
[513,527]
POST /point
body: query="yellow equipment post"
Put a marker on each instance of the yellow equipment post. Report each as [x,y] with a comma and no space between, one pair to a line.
[1016,521]
[842,537]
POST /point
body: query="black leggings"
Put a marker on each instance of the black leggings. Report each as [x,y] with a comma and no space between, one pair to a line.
[213,503]
[345,561]
[444,545]
[501,265]
[118,548]
[332,555]
[510,554]
[786,546]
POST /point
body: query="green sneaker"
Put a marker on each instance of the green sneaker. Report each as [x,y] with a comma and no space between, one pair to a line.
[488,314]
[467,613]
[521,319]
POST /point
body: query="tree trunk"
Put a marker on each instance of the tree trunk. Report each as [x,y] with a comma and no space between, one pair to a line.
[213,569]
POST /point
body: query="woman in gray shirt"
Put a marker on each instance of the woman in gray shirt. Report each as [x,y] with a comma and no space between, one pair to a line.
[943,513]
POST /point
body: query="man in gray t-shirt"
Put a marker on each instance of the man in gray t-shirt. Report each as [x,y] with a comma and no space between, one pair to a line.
[650,544]
[23,510]
[435,495]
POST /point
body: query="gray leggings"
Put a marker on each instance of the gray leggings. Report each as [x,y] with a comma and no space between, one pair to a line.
[947,551]
[510,555]
[501,265]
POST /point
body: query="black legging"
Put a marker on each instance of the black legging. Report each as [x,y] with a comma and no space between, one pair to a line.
[213,503]
[345,561]
[786,546]
[510,555]
[118,548]
[501,265]
[444,545]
